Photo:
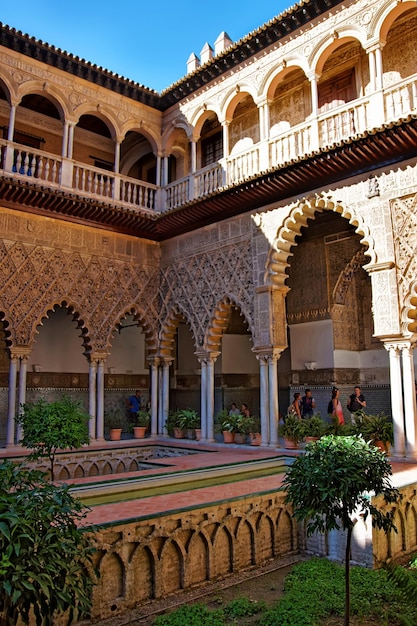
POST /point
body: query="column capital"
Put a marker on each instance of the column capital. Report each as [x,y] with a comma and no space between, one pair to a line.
[98,357]
[207,357]
[268,354]
[154,361]
[20,352]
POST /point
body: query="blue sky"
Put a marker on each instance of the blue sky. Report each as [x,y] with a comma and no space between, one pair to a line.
[148,41]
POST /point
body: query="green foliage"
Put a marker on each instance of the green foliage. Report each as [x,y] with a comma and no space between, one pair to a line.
[330,484]
[243,607]
[142,418]
[314,426]
[314,591]
[188,419]
[50,426]
[191,615]
[292,428]
[113,418]
[373,428]
[405,580]
[172,421]
[231,423]
[45,564]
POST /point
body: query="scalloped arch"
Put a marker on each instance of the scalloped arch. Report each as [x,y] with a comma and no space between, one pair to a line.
[169,330]
[219,322]
[64,303]
[291,227]
[148,330]
[409,310]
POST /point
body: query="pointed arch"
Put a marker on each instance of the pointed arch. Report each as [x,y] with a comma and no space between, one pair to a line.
[291,227]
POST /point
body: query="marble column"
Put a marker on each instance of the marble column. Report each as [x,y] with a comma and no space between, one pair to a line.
[273,399]
[264,399]
[154,397]
[100,400]
[165,392]
[210,396]
[410,401]
[203,398]
[396,398]
[11,411]
[92,397]
[22,388]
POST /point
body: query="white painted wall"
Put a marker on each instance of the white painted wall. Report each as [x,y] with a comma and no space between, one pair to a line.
[312,341]
[59,347]
[237,355]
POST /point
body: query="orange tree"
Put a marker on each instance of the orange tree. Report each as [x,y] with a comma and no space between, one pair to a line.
[333,483]
[50,426]
[45,557]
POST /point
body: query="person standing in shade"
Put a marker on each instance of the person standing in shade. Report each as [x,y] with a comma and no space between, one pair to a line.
[337,406]
[294,407]
[308,404]
[134,405]
[356,402]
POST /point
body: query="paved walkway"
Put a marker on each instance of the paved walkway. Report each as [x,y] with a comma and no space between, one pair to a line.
[208,456]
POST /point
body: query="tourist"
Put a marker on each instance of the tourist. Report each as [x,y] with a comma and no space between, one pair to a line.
[337,410]
[356,402]
[294,407]
[245,410]
[134,405]
[308,404]
[233,409]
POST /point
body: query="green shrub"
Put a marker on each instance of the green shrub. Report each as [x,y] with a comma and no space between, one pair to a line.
[191,615]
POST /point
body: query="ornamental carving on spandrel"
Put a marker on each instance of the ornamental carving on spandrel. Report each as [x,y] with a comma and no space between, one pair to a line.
[405,241]
[208,278]
[35,279]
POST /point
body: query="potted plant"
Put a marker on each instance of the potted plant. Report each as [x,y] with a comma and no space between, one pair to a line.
[228,425]
[291,431]
[244,426]
[173,424]
[314,427]
[141,424]
[188,421]
[113,420]
[377,429]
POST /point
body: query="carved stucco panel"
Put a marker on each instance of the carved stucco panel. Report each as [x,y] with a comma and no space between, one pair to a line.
[100,290]
[385,303]
[197,284]
[404,217]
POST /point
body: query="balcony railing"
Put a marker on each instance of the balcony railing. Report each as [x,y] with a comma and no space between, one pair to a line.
[333,126]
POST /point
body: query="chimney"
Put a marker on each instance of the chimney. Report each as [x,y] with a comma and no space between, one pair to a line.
[222,42]
[193,63]
[206,54]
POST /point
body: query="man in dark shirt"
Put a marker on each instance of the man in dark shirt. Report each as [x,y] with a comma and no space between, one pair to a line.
[134,405]
[307,404]
[356,402]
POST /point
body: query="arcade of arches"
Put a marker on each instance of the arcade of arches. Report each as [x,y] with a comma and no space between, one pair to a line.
[247,311]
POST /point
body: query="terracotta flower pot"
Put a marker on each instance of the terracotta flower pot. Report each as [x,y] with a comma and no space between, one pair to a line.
[139,432]
[228,437]
[289,444]
[179,433]
[239,438]
[256,439]
[115,434]
[198,434]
